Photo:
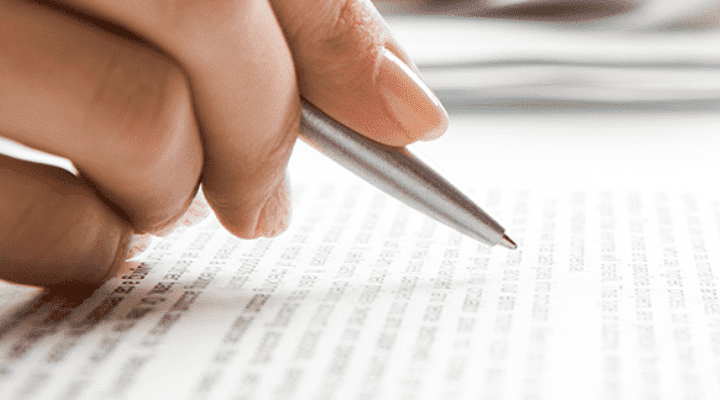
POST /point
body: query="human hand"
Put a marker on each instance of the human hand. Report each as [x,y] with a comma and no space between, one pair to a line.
[207,92]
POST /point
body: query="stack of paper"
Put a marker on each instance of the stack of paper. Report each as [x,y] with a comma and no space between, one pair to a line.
[473,63]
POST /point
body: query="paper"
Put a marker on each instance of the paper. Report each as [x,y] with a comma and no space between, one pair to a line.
[613,293]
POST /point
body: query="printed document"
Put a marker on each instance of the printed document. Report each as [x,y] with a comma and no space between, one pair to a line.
[613,292]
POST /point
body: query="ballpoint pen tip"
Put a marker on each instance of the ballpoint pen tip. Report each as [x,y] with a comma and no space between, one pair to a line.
[507,242]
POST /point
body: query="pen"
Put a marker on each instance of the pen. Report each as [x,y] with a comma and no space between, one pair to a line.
[402,173]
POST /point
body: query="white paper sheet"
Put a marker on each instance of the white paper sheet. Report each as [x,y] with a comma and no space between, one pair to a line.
[613,293]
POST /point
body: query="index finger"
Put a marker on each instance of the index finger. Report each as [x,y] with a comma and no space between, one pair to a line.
[350,67]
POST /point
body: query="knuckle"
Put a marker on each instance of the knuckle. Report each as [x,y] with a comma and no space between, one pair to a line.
[349,29]
[148,139]
[191,16]
[139,100]
[339,47]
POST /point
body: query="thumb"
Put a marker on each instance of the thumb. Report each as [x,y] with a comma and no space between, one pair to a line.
[350,67]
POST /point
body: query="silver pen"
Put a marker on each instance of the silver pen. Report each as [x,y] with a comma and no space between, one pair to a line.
[402,173]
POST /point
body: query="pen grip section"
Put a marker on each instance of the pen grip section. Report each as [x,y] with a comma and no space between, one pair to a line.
[400,172]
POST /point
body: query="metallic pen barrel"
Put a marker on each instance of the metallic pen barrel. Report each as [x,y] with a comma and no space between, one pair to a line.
[402,173]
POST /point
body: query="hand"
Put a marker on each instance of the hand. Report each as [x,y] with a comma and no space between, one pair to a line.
[150,98]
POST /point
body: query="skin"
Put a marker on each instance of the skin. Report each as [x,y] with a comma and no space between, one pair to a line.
[152,100]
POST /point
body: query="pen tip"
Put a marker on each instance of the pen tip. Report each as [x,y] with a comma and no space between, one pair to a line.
[507,242]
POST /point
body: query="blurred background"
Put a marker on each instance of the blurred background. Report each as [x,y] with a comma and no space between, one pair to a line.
[582,54]
[603,83]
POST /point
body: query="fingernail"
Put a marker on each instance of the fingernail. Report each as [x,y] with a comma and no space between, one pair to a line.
[412,103]
[196,213]
[275,216]
[137,245]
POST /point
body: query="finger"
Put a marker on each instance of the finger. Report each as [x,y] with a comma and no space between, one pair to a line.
[349,66]
[245,94]
[120,111]
[54,230]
